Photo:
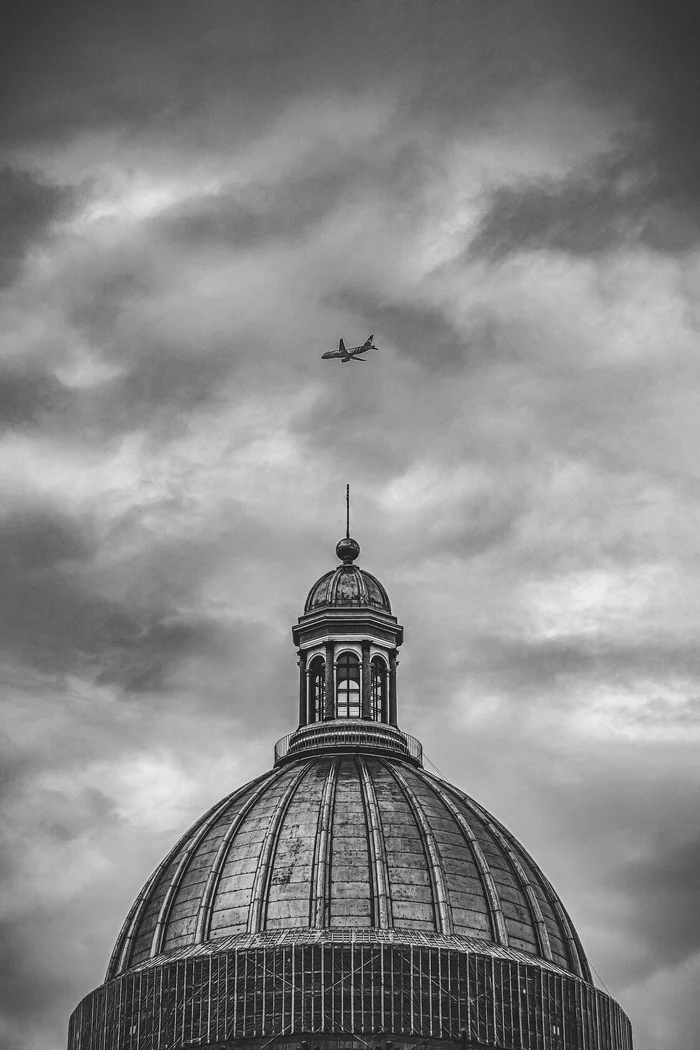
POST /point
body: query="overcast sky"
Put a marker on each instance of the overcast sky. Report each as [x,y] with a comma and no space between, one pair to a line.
[196,201]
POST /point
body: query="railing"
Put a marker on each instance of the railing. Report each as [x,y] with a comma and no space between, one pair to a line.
[282,747]
[348,735]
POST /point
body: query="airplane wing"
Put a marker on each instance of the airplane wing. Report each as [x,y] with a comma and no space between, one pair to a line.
[341,346]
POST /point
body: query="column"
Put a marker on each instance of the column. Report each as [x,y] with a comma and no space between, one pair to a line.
[330,682]
[392,688]
[303,706]
[366,682]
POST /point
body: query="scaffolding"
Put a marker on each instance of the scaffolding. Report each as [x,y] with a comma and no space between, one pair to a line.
[351,988]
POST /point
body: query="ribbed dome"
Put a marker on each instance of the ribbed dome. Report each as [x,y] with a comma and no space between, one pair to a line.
[333,844]
[348,585]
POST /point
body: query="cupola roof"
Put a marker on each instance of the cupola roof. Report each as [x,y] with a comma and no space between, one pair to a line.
[347,585]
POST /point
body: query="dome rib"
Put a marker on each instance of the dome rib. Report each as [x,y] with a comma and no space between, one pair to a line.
[378,864]
[121,956]
[441,903]
[539,924]
[257,911]
[575,952]
[319,905]
[496,918]
[204,912]
[176,880]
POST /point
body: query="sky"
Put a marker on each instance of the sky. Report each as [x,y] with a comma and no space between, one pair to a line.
[196,201]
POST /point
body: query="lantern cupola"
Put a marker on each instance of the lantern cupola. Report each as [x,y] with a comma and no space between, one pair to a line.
[347,641]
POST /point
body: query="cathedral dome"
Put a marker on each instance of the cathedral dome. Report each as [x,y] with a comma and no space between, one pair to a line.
[348,894]
[333,844]
[347,585]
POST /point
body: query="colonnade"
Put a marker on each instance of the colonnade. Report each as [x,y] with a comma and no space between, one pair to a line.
[310,694]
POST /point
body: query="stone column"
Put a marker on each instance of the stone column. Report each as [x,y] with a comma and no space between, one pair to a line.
[330,682]
[392,688]
[303,705]
[366,682]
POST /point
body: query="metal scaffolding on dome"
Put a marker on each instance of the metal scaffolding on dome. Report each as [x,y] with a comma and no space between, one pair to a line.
[331,989]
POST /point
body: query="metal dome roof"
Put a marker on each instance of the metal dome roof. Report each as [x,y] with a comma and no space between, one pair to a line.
[348,585]
[345,845]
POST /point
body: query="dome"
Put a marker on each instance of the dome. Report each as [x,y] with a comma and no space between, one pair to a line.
[347,893]
[342,844]
[348,585]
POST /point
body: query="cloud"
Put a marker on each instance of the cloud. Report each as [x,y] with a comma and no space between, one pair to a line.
[504,198]
[639,59]
[57,619]
[661,888]
[27,208]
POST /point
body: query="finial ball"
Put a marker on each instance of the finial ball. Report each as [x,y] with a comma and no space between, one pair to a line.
[347,550]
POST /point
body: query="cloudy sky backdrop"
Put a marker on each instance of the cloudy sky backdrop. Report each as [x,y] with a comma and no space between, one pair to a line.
[196,201]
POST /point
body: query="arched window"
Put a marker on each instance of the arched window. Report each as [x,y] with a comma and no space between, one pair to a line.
[317,688]
[379,697]
[348,687]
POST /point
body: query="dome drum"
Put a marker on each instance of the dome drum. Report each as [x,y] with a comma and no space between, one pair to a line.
[349,995]
[351,735]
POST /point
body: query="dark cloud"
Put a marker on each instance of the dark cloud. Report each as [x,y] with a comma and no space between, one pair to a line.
[140,656]
[160,391]
[54,618]
[139,70]
[623,199]
[661,889]
[522,666]
[263,214]
[642,59]
[27,207]
[26,396]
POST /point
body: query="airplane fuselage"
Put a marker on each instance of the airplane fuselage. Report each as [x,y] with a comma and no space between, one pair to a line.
[349,353]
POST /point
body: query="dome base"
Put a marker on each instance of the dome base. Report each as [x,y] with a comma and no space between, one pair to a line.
[406,990]
[349,735]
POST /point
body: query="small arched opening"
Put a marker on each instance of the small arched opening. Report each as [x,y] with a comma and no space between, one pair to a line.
[348,686]
[379,700]
[317,688]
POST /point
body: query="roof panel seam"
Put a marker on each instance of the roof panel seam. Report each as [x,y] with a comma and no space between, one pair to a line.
[125,941]
[577,956]
[175,882]
[498,925]
[258,897]
[541,931]
[319,903]
[441,903]
[204,912]
[379,865]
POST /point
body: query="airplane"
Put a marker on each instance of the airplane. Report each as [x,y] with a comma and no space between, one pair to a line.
[350,353]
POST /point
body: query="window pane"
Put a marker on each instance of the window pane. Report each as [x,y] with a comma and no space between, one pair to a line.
[378,706]
[317,688]
[348,686]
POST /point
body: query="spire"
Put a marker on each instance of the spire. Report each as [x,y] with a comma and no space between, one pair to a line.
[348,550]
